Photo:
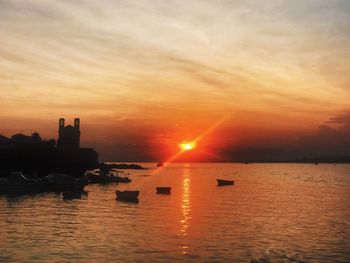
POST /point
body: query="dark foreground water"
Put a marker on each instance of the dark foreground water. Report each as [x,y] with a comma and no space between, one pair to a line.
[276,212]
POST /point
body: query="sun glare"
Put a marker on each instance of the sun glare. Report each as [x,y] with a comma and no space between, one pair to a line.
[187,146]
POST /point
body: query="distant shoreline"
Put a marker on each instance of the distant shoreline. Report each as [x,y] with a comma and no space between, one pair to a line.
[123,166]
[130,164]
[310,160]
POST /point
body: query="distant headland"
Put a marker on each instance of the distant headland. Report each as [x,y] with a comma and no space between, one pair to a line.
[123,166]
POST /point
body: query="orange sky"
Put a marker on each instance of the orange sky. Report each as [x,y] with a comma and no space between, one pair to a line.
[153,73]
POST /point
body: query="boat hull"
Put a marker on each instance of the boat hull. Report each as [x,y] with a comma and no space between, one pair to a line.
[97,179]
[127,196]
[222,182]
[73,194]
[64,183]
[69,187]
[165,190]
[10,188]
[46,184]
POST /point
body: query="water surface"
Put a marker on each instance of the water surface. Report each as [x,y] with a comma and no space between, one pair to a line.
[278,212]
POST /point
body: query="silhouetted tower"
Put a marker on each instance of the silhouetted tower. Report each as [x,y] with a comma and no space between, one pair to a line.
[60,125]
[77,123]
[68,136]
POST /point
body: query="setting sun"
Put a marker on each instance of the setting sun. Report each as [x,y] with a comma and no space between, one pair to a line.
[187,146]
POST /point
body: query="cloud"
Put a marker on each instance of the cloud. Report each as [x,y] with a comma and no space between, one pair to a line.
[172,64]
[331,139]
[341,119]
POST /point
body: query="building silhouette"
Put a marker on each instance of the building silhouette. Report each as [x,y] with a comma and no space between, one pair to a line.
[68,136]
[31,154]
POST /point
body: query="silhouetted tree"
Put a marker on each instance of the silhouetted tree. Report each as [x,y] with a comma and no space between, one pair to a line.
[36,137]
[18,137]
[51,142]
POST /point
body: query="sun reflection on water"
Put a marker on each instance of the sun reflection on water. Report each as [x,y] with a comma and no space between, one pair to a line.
[186,204]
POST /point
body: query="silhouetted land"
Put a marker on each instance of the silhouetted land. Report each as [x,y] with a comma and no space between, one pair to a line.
[123,166]
[43,157]
[339,159]
[33,155]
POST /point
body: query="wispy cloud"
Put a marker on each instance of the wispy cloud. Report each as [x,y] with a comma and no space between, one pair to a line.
[169,62]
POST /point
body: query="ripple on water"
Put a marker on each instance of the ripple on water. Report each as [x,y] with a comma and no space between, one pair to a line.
[277,212]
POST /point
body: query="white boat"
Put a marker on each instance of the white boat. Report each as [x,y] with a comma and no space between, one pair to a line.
[106,176]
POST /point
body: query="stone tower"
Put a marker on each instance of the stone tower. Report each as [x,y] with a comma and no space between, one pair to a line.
[68,136]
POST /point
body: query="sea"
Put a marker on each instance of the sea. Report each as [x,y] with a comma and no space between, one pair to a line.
[273,213]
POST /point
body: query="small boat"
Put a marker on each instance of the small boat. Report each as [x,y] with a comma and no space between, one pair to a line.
[123,178]
[106,177]
[18,183]
[160,164]
[222,182]
[163,190]
[127,196]
[57,182]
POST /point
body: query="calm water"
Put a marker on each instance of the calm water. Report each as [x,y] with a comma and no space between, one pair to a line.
[279,212]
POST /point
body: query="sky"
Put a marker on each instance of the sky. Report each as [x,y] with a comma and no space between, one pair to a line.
[144,76]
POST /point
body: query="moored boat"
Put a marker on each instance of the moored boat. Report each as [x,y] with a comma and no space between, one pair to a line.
[57,182]
[222,182]
[106,177]
[163,190]
[18,183]
[127,196]
[74,194]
